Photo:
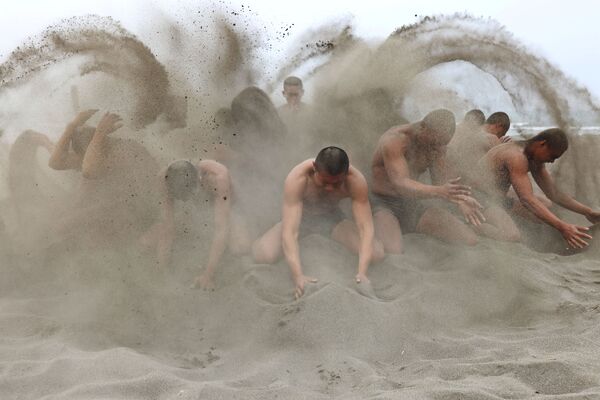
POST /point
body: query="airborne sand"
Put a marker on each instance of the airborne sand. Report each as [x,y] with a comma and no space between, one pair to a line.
[493,321]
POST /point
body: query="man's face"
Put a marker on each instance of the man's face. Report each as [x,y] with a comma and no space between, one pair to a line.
[293,94]
[542,153]
[329,183]
[432,140]
[496,130]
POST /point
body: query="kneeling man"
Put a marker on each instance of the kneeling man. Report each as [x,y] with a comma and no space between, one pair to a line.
[312,192]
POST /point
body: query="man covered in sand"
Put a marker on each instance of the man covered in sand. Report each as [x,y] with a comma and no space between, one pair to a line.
[184,181]
[312,192]
[508,165]
[471,141]
[402,154]
[116,196]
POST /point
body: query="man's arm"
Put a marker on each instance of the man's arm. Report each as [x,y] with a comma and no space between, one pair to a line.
[94,160]
[396,166]
[546,183]
[363,218]
[290,225]
[222,218]
[518,168]
[61,158]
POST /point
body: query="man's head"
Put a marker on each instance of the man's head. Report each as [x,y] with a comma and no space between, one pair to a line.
[331,167]
[547,146]
[293,90]
[437,128]
[497,124]
[474,117]
[82,138]
[181,179]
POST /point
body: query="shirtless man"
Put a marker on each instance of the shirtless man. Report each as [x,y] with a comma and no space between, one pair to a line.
[117,178]
[509,164]
[182,180]
[312,192]
[403,153]
[471,142]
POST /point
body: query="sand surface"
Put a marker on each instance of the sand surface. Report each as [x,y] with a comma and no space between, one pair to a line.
[496,321]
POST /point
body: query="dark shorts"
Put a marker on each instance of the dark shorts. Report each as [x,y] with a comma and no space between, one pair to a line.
[407,211]
[321,223]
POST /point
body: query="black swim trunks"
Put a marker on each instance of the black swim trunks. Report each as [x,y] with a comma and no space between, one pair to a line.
[321,223]
[407,211]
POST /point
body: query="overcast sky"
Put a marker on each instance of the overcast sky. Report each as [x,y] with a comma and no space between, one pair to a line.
[565,32]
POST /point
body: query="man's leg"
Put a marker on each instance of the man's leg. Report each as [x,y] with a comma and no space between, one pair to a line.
[267,248]
[346,233]
[499,225]
[388,231]
[441,224]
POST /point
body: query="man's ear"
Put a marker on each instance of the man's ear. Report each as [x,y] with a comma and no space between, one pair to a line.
[314,166]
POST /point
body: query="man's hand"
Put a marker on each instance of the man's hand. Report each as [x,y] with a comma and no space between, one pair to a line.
[361,278]
[204,281]
[83,117]
[300,281]
[452,191]
[574,235]
[593,217]
[471,210]
[108,124]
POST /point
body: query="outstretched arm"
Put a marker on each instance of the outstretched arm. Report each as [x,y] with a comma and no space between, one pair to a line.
[397,169]
[574,235]
[61,158]
[361,210]
[94,160]
[291,218]
[546,183]
[222,214]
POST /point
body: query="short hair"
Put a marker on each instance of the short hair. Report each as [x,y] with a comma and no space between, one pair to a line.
[441,122]
[82,138]
[475,117]
[333,161]
[555,137]
[499,118]
[292,81]
[181,178]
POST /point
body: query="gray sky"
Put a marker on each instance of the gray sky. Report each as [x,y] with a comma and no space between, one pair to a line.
[565,32]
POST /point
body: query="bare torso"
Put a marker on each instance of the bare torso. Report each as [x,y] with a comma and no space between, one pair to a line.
[495,167]
[418,160]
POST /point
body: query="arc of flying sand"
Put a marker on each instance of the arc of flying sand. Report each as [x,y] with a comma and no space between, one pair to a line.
[440,39]
[115,52]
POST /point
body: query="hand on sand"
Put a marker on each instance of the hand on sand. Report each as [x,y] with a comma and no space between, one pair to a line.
[361,278]
[452,191]
[204,282]
[574,235]
[364,286]
[593,217]
[471,210]
[108,124]
[300,282]
[83,116]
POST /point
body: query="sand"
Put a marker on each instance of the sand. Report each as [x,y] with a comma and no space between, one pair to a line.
[490,322]
[493,321]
